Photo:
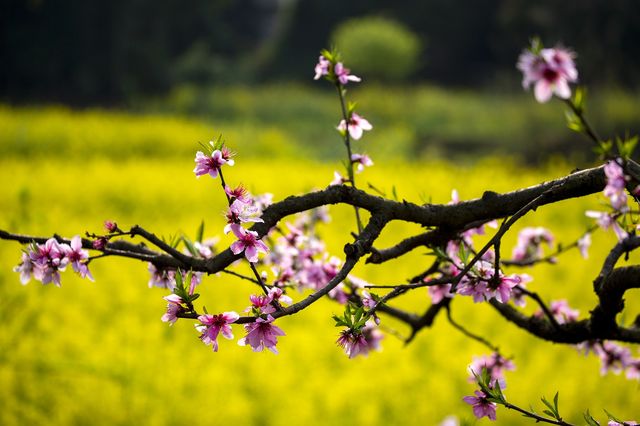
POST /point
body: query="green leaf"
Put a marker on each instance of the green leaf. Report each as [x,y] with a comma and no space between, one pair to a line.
[555,403]
[194,252]
[573,122]
[549,413]
[179,282]
[553,412]
[394,193]
[580,98]
[200,232]
[612,417]
[590,420]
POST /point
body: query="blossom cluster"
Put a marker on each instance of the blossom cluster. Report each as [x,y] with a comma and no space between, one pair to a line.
[45,261]
[490,368]
[615,191]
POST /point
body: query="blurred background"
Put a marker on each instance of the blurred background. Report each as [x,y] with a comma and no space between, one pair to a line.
[102,106]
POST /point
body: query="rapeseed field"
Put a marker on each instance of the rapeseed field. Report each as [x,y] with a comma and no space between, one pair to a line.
[97,353]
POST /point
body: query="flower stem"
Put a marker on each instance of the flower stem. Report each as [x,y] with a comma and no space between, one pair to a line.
[347,143]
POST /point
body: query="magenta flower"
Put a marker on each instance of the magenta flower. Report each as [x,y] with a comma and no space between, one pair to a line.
[174,307]
[162,278]
[343,76]
[353,342]
[481,405]
[338,179]
[211,325]
[615,189]
[362,161]
[613,357]
[605,221]
[260,304]
[367,300]
[25,268]
[322,67]
[240,212]
[48,260]
[529,245]
[357,125]
[276,293]
[248,242]
[239,193]
[211,164]
[583,245]
[99,243]
[495,364]
[550,72]
[110,226]
[76,255]
[262,334]
[439,292]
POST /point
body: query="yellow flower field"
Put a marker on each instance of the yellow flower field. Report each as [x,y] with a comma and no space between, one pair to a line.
[97,353]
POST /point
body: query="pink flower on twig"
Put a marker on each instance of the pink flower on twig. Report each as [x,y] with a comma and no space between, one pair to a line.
[357,125]
[262,334]
[248,242]
[212,325]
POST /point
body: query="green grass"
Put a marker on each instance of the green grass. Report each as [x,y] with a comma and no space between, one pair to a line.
[97,353]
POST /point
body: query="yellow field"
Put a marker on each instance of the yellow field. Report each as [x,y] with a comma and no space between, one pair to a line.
[97,353]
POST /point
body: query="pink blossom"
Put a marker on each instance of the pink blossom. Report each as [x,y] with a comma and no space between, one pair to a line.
[625,423]
[110,226]
[481,405]
[633,369]
[605,221]
[205,248]
[372,334]
[339,294]
[367,300]
[262,334]
[439,292]
[357,125]
[48,260]
[615,189]
[353,342]
[613,357]
[529,245]
[338,179]
[563,312]
[238,193]
[162,278]
[260,304]
[262,201]
[100,243]
[550,72]
[211,164]
[248,242]
[362,161]
[322,67]
[76,255]
[211,325]
[583,245]
[343,76]
[276,293]
[495,364]
[174,307]
[25,268]
[239,212]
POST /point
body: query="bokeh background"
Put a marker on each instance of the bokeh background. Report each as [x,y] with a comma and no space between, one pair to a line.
[103,105]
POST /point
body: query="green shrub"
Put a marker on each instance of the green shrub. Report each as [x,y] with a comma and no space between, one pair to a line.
[378,48]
